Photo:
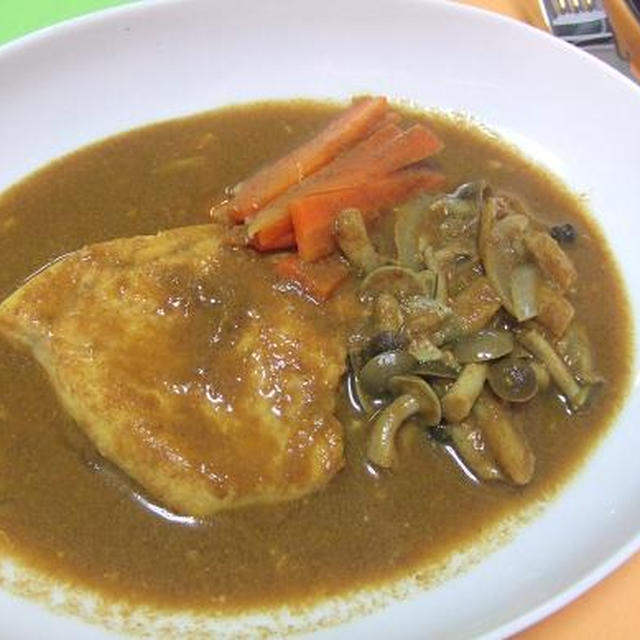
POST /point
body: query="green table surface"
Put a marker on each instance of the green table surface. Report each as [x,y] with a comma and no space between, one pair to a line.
[18,17]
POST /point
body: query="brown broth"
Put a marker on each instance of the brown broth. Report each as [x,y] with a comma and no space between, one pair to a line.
[71,516]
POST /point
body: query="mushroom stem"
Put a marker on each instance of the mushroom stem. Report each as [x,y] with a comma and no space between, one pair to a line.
[542,374]
[470,445]
[413,397]
[353,239]
[457,402]
[381,447]
[505,439]
[535,342]
[387,315]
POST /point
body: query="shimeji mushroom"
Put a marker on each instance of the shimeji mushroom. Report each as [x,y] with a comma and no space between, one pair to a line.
[513,379]
[542,375]
[379,370]
[505,438]
[438,369]
[457,402]
[395,280]
[487,344]
[536,343]
[412,218]
[387,314]
[414,397]
[468,441]
[352,238]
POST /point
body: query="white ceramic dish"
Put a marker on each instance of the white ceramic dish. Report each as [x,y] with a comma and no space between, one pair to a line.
[83,80]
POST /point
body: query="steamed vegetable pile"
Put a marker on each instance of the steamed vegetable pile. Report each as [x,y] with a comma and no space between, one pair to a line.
[467,295]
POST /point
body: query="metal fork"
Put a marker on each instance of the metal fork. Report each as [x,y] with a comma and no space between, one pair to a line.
[581,22]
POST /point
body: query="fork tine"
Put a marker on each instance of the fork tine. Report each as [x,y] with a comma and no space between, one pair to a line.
[573,6]
[578,21]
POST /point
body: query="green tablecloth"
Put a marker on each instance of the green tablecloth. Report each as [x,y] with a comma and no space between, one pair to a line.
[18,17]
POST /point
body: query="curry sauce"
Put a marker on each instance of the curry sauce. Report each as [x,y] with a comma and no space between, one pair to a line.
[69,513]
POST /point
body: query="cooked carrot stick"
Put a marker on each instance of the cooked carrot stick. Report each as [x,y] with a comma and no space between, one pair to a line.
[273,239]
[387,150]
[383,152]
[389,144]
[340,133]
[270,236]
[313,216]
[358,155]
[412,145]
[336,175]
[319,279]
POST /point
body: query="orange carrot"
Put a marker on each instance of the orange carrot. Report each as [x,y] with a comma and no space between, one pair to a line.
[412,145]
[313,215]
[340,133]
[386,150]
[277,237]
[270,237]
[359,153]
[334,175]
[319,279]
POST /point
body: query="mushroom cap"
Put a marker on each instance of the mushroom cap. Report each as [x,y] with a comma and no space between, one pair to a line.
[428,402]
[513,379]
[486,344]
[377,371]
[349,218]
[437,369]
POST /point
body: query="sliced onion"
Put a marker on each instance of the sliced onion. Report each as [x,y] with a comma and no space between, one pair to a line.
[502,251]
[524,285]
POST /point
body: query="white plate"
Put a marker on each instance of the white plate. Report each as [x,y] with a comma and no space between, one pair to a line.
[83,80]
